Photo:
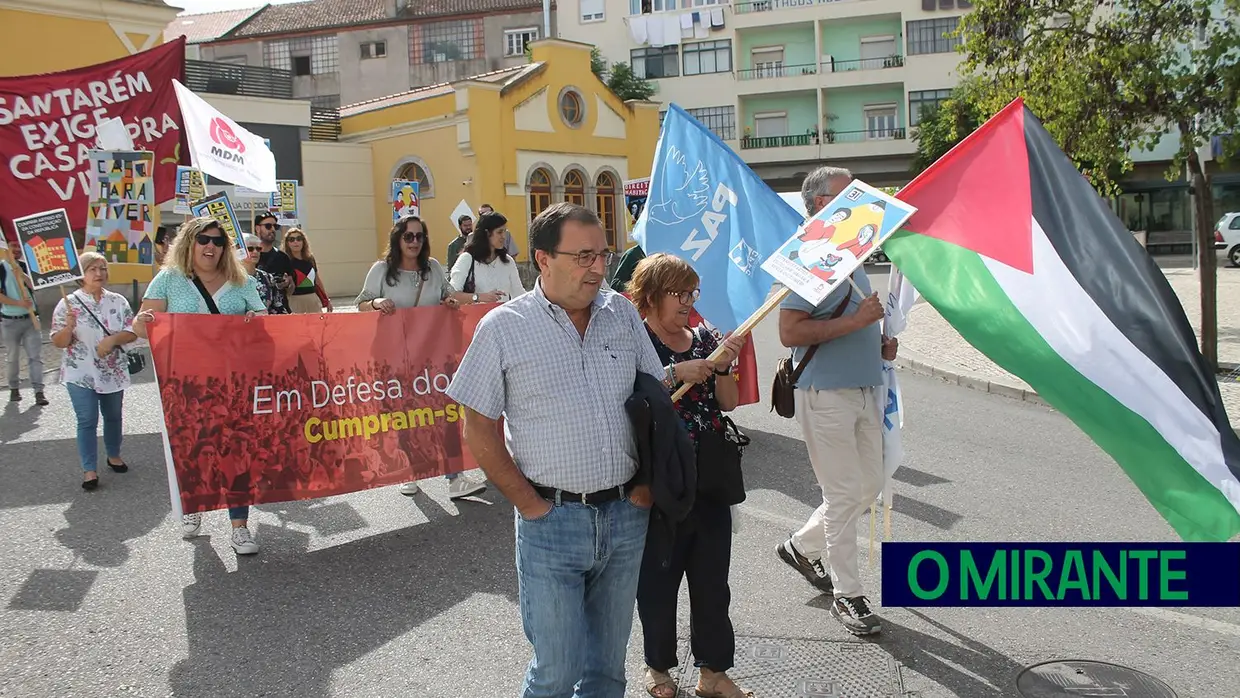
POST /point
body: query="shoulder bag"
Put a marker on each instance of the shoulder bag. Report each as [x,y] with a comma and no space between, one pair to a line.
[783,388]
[136,360]
[719,456]
[470,284]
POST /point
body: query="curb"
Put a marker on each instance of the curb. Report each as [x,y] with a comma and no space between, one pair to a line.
[973,381]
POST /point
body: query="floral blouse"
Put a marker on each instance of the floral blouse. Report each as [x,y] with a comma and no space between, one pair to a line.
[272,297]
[699,408]
[80,365]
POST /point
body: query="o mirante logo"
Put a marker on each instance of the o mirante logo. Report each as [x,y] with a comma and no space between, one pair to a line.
[1061,574]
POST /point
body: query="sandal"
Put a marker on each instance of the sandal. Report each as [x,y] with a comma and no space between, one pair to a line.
[118,467]
[716,684]
[660,684]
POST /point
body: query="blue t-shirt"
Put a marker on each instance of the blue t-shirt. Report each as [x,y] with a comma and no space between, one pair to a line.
[181,296]
[854,360]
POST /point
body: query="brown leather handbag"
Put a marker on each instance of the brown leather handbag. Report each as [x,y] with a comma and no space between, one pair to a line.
[783,388]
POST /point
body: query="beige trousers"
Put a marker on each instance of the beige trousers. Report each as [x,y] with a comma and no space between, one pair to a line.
[306,303]
[843,431]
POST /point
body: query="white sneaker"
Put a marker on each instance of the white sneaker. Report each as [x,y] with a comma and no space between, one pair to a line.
[409,489]
[190,523]
[464,487]
[242,542]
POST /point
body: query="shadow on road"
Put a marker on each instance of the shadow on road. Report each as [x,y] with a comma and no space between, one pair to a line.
[16,422]
[312,613]
[986,672]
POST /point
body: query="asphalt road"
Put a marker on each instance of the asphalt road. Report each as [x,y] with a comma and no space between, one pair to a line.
[374,594]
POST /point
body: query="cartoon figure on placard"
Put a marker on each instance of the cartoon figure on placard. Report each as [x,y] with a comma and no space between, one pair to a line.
[404,200]
[852,230]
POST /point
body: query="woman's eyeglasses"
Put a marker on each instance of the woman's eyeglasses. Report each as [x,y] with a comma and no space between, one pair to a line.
[254,248]
[295,238]
[686,297]
[413,237]
[217,240]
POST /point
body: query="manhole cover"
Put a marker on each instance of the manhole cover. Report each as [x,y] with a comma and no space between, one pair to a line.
[771,666]
[1074,678]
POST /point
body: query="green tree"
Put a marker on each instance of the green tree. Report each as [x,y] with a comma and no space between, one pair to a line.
[1111,76]
[941,128]
[620,78]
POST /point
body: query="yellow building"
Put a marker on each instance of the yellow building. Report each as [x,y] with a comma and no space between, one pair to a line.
[518,139]
[47,36]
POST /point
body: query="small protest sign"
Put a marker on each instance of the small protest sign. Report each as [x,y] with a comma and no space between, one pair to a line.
[191,187]
[283,203]
[47,243]
[635,193]
[218,206]
[120,222]
[831,245]
[462,209]
[405,200]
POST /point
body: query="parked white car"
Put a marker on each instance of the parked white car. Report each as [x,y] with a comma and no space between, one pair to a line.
[1227,236]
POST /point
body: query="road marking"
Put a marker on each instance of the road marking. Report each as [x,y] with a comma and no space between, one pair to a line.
[1217,626]
[771,517]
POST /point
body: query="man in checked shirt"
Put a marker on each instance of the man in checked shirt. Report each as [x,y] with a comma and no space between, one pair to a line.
[558,364]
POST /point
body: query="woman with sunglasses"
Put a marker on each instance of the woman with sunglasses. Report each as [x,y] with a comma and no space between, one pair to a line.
[268,288]
[309,295]
[408,277]
[202,275]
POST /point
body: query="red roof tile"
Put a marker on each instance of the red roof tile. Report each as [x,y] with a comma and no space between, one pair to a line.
[207,26]
[310,15]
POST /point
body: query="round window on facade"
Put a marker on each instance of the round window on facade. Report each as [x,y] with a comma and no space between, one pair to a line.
[572,107]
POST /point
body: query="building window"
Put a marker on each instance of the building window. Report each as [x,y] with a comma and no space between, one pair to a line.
[415,170]
[605,200]
[653,63]
[374,49]
[645,7]
[720,120]
[574,188]
[515,40]
[924,99]
[880,122]
[311,55]
[929,35]
[540,192]
[591,10]
[572,107]
[452,40]
[708,57]
[325,102]
[876,50]
[768,62]
[770,124]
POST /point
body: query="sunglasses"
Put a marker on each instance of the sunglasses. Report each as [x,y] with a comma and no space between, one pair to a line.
[413,237]
[255,248]
[295,238]
[268,226]
[217,240]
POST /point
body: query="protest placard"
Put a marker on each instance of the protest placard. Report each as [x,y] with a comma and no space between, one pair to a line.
[47,243]
[120,221]
[405,201]
[283,203]
[191,187]
[826,250]
[635,193]
[218,206]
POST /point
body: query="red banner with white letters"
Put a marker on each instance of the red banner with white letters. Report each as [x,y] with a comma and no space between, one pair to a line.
[47,129]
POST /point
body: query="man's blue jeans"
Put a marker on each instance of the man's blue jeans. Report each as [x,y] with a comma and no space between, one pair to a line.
[577,571]
[87,404]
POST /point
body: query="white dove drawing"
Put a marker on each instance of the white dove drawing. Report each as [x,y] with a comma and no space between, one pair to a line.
[683,194]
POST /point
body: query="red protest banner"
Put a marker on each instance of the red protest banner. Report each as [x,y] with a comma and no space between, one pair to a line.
[47,129]
[293,407]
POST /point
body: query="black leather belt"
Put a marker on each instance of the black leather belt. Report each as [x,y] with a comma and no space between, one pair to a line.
[608,495]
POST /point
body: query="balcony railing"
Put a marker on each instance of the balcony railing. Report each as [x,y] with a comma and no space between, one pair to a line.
[872,134]
[834,66]
[324,124]
[243,80]
[812,138]
[750,6]
[776,141]
[777,70]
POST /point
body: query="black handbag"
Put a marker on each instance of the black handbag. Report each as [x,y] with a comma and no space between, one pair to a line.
[719,456]
[470,285]
[136,360]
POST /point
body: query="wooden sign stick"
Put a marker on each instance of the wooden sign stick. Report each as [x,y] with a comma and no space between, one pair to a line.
[21,286]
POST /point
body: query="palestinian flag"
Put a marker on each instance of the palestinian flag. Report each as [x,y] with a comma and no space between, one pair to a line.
[1016,250]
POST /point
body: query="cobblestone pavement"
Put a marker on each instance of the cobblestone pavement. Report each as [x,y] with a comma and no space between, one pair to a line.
[930,342]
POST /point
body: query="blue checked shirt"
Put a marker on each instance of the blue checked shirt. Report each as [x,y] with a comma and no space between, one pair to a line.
[562,397]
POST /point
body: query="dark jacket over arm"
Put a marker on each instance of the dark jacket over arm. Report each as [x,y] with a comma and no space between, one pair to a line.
[667,460]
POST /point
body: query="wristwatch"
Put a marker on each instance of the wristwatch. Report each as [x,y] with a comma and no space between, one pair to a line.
[475,298]
[724,373]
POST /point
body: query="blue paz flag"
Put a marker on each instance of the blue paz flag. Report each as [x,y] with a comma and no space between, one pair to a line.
[707,207]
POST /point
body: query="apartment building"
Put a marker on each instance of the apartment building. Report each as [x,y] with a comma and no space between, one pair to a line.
[788,84]
[348,51]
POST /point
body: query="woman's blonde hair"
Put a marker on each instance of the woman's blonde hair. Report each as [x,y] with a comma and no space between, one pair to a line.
[180,257]
[306,254]
[657,275]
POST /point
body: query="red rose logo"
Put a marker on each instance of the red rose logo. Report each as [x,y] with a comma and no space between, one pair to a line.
[223,134]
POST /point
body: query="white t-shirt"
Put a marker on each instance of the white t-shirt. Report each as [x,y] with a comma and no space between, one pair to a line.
[494,276]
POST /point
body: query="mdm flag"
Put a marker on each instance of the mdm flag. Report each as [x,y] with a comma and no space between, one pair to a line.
[707,207]
[1016,250]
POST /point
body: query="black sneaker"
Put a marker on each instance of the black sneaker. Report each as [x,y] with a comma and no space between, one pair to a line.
[40,400]
[813,570]
[15,395]
[856,615]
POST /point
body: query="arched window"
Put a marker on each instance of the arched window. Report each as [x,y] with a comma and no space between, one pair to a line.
[605,198]
[540,191]
[414,172]
[574,188]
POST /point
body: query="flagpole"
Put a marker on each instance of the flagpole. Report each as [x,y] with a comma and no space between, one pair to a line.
[745,328]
